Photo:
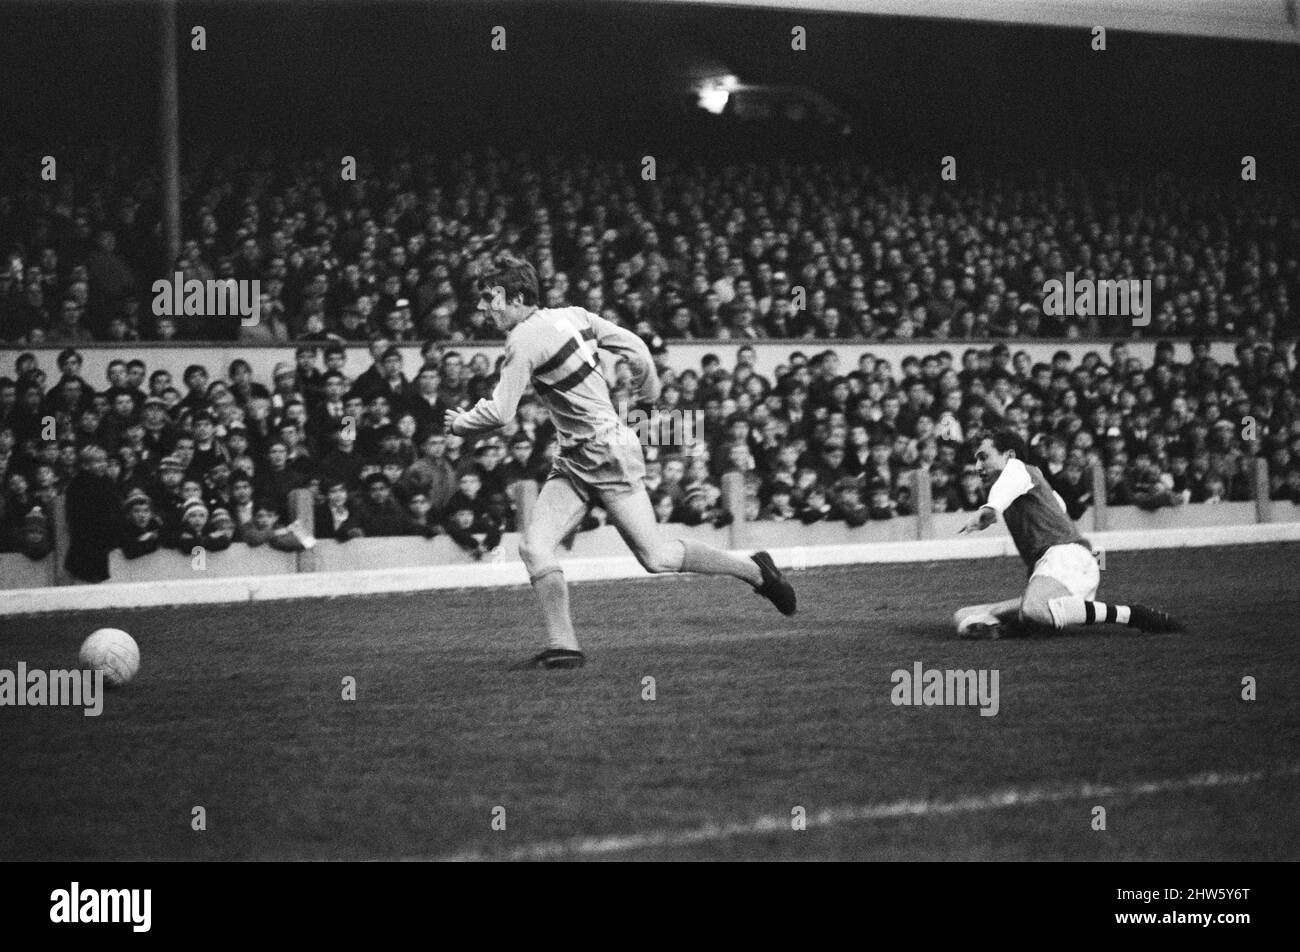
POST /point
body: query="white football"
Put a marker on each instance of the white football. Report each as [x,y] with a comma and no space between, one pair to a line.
[113,652]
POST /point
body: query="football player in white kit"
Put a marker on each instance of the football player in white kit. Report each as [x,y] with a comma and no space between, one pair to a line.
[555,349]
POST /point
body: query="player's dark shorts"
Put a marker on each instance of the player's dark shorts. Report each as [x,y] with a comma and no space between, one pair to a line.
[600,467]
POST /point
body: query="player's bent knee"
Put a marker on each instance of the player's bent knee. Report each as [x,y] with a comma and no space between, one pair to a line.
[661,558]
[535,557]
[1038,613]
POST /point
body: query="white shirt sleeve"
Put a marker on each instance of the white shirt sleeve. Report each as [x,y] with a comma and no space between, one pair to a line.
[1013,483]
[499,409]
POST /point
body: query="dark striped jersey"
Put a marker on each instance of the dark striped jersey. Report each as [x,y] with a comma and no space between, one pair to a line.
[556,350]
[1034,513]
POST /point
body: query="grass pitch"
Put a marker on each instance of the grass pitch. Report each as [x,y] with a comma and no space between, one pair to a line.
[238,709]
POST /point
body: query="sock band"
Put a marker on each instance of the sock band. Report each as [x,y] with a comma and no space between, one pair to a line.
[534,579]
[1089,613]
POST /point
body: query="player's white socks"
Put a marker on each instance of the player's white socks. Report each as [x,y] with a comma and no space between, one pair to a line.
[706,560]
[1079,611]
[553,592]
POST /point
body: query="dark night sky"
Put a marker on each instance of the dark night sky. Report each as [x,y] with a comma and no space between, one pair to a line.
[423,71]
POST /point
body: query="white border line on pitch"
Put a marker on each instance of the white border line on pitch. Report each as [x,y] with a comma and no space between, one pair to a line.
[126,595]
[587,846]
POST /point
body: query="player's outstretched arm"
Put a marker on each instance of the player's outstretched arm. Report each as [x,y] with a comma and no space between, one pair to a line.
[491,413]
[981,521]
[1012,483]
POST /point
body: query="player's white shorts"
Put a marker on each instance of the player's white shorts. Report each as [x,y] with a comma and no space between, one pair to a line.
[1073,566]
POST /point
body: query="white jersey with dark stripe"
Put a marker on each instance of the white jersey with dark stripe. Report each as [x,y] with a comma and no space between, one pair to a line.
[555,349]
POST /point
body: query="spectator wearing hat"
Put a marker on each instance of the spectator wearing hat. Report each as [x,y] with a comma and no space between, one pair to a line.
[93,512]
[221,529]
[200,527]
[159,433]
[489,454]
[165,492]
[191,529]
[142,531]
[284,378]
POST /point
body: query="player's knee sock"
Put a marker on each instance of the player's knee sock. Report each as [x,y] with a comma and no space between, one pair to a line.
[1068,610]
[553,592]
[705,559]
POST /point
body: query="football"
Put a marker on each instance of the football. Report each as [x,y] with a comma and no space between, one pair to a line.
[113,652]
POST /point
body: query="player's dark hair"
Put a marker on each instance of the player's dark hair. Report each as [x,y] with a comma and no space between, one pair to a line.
[1006,440]
[514,274]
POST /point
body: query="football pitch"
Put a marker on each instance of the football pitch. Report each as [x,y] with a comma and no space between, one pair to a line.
[752,726]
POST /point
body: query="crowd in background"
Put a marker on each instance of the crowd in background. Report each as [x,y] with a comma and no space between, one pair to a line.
[706,250]
[720,251]
[145,461]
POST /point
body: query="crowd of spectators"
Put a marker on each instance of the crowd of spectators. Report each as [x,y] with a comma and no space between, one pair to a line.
[145,461]
[704,251]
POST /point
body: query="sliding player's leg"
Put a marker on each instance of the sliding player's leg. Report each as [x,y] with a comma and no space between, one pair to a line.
[633,516]
[1071,598]
[1036,605]
[558,511]
[987,621]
